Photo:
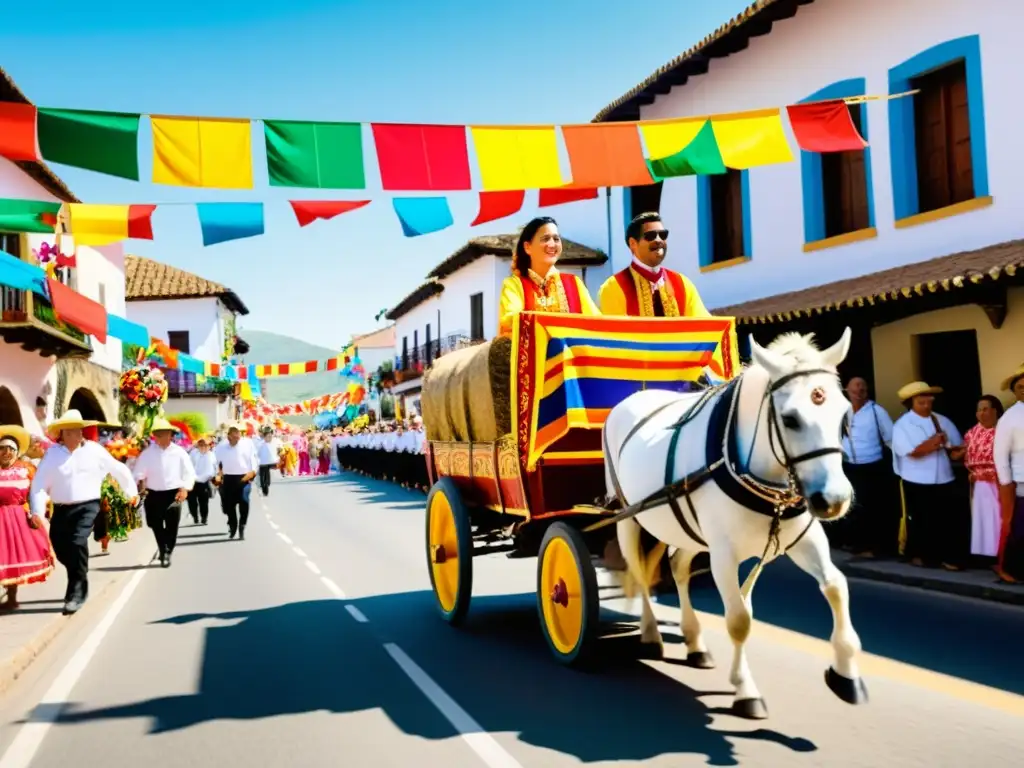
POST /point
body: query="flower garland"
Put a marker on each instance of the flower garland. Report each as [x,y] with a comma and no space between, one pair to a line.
[143,391]
[122,517]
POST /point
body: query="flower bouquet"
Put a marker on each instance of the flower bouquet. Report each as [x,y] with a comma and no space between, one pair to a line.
[124,448]
[122,515]
[143,391]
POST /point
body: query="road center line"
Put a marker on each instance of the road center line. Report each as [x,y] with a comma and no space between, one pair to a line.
[312,567]
[30,737]
[334,588]
[284,538]
[275,526]
[299,552]
[471,732]
[357,614]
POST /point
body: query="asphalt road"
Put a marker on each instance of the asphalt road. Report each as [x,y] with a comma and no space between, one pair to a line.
[315,643]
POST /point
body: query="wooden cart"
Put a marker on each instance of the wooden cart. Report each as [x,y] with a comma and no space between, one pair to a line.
[535,482]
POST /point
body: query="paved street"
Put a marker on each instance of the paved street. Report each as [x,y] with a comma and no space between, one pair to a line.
[315,643]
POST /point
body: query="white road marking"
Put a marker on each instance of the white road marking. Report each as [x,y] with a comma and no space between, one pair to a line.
[275,526]
[334,588]
[30,737]
[357,614]
[476,738]
[268,515]
[284,538]
[312,567]
[299,552]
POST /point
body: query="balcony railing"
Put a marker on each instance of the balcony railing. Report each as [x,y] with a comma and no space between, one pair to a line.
[28,319]
[184,383]
[413,363]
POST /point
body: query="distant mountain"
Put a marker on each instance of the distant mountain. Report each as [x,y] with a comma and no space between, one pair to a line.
[266,347]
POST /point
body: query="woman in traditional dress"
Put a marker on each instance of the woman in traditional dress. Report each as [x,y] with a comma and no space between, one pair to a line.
[536,285]
[325,454]
[26,556]
[302,445]
[986,520]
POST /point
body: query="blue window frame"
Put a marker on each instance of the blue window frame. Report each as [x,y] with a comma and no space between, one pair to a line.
[810,163]
[705,225]
[902,144]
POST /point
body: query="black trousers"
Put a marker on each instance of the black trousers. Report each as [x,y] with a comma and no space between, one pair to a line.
[233,500]
[873,523]
[163,515]
[265,477]
[938,523]
[199,501]
[70,527]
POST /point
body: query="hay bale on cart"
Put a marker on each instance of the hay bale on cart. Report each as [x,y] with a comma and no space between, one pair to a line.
[466,395]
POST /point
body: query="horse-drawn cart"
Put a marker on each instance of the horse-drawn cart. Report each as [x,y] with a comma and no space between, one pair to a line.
[514,451]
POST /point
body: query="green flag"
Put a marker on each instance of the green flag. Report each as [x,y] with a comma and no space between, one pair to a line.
[106,142]
[314,155]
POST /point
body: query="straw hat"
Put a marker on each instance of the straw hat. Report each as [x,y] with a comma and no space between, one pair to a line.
[70,420]
[18,434]
[1009,381]
[162,425]
[915,388]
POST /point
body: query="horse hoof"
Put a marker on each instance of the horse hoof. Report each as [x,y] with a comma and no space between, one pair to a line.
[852,691]
[750,709]
[701,660]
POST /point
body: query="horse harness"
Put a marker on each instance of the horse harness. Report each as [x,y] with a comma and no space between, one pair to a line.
[779,501]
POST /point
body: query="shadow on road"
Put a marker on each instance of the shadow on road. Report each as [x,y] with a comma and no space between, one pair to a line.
[310,656]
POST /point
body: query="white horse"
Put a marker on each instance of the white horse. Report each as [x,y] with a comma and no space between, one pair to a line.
[749,469]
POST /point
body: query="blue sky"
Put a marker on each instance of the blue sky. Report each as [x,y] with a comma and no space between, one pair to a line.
[447,61]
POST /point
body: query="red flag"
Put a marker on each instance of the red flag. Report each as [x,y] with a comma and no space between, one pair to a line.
[75,309]
[824,127]
[140,225]
[312,365]
[308,211]
[498,205]
[332,364]
[419,158]
[560,195]
[18,131]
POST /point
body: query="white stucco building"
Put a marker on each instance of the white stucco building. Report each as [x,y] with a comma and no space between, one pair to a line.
[193,315]
[40,356]
[458,304]
[912,242]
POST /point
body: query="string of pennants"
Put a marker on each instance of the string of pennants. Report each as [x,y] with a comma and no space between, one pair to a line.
[92,318]
[217,153]
[261,407]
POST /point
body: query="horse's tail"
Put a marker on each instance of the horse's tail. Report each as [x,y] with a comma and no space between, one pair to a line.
[648,553]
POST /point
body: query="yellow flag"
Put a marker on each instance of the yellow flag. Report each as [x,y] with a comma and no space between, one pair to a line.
[207,152]
[245,392]
[98,224]
[517,158]
[749,139]
[667,139]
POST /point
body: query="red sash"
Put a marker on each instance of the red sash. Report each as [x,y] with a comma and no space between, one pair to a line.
[628,287]
[572,293]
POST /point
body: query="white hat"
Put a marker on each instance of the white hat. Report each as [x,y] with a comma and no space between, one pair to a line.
[70,420]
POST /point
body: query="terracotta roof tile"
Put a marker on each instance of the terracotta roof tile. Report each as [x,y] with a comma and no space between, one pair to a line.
[894,284]
[148,280]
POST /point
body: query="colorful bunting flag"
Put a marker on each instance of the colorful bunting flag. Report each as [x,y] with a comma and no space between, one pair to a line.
[314,155]
[127,331]
[750,139]
[308,211]
[105,142]
[20,275]
[498,205]
[208,152]
[18,131]
[190,364]
[825,127]
[37,216]
[221,222]
[106,224]
[423,215]
[692,150]
[561,195]
[422,157]
[608,155]
[80,311]
[517,158]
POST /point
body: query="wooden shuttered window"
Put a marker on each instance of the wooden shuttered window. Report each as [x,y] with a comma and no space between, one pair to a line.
[942,133]
[726,216]
[845,187]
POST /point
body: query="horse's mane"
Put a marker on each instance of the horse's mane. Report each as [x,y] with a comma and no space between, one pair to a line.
[801,349]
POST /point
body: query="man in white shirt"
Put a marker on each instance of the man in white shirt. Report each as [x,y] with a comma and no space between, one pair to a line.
[267,452]
[923,442]
[1008,454]
[873,525]
[168,475]
[205,465]
[71,475]
[238,466]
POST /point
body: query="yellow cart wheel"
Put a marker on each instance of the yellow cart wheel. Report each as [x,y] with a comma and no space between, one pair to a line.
[567,597]
[449,550]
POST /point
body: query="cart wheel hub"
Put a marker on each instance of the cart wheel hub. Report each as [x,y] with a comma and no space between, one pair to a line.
[560,595]
[438,554]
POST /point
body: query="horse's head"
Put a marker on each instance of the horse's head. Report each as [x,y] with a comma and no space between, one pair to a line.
[807,415]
